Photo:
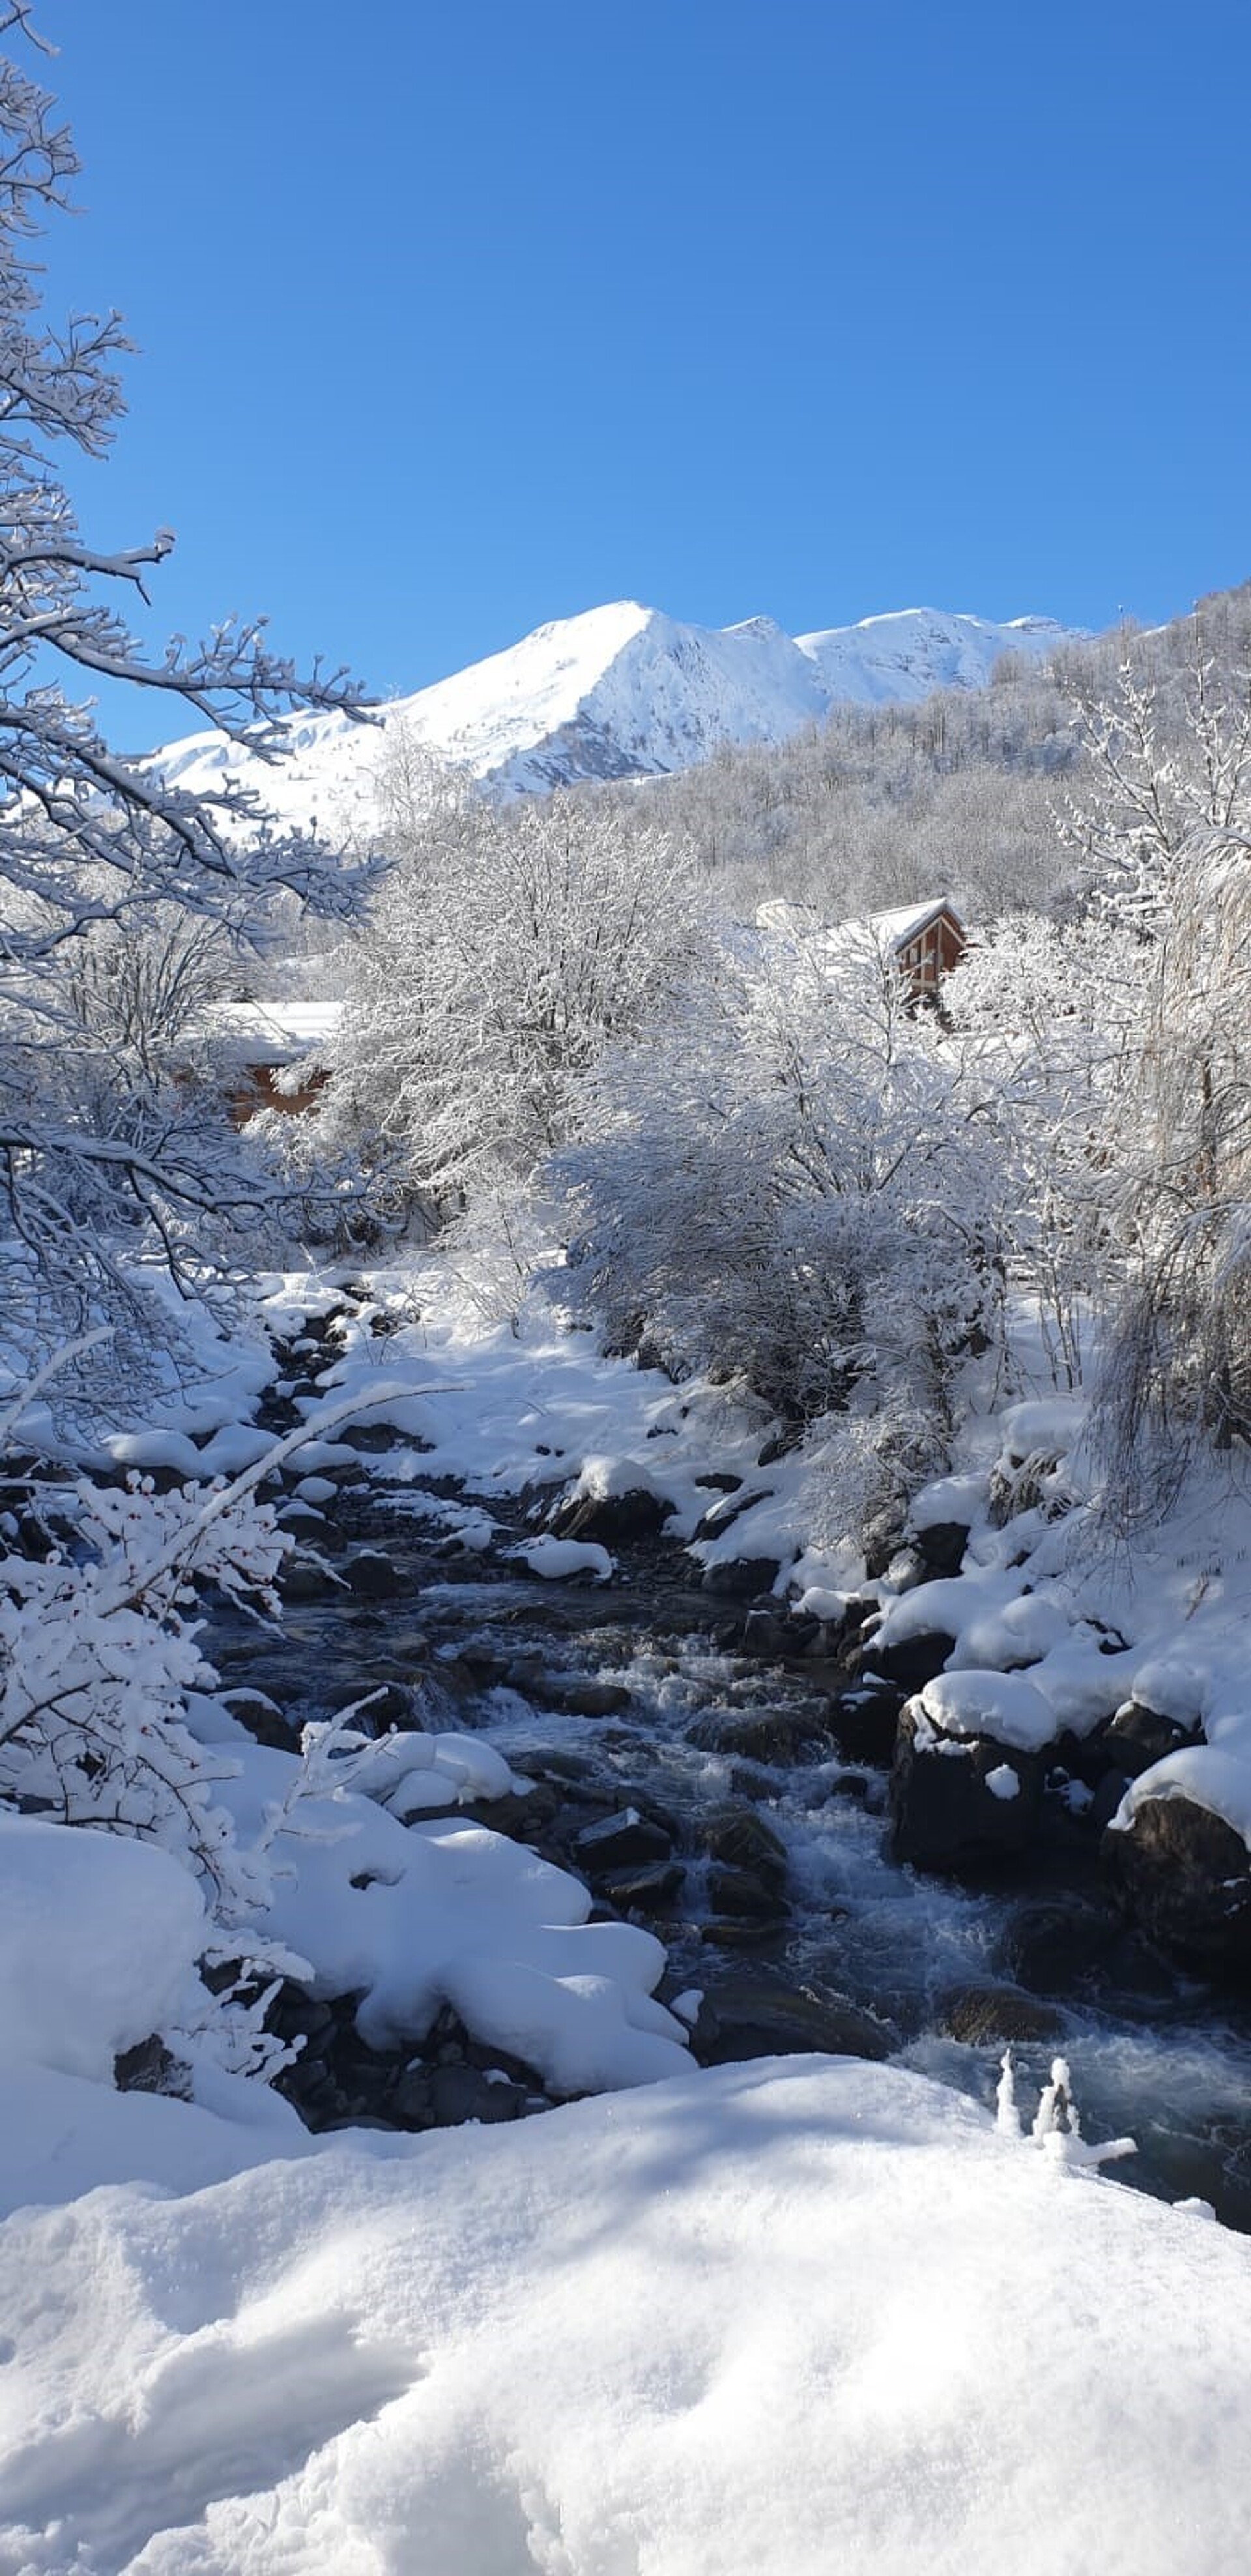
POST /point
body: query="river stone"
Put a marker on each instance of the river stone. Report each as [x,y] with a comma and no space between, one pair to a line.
[576,1696]
[646,1891]
[910,1663]
[627,1840]
[263,1719]
[1184,1875]
[978,2015]
[863,1722]
[304,1580]
[745,2016]
[444,2097]
[777,1735]
[611,1520]
[1139,1737]
[940,1548]
[740,1839]
[944,1813]
[1053,1942]
[741,1578]
[754,1894]
[372,1576]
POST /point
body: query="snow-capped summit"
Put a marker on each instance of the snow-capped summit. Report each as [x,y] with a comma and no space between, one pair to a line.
[621,691]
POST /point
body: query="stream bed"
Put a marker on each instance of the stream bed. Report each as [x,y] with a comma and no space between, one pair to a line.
[700,1789]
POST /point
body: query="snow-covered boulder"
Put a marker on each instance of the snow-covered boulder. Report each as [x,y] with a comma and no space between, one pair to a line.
[966,1783]
[1177,1853]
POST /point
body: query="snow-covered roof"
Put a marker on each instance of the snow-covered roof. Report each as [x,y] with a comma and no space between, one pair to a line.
[894,930]
[269,1032]
[901,927]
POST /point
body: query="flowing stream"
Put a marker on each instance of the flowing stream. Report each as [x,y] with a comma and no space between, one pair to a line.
[759,1855]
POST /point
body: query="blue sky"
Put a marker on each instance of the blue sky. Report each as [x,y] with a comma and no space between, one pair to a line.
[457,315]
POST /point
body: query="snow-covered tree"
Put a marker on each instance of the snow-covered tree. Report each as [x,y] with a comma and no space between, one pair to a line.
[100,856]
[1054,1012]
[797,1187]
[1167,826]
[508,951]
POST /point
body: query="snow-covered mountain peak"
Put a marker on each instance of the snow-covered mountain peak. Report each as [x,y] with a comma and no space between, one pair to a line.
[621,690]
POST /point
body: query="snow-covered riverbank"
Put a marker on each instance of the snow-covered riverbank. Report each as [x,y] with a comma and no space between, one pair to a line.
[771,2317]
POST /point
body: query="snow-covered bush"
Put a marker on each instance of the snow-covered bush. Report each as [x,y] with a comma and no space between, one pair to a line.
[797,1187]
[1168,825]
[1054,1012]
[508,951]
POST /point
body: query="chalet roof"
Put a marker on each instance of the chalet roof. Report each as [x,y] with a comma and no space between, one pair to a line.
[256,1033]
[893,930]
[899,929]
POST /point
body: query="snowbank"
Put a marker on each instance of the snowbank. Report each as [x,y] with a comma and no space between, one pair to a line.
[765,2322]
[98,1938]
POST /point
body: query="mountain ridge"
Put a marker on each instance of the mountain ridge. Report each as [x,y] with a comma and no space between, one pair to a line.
[620,691]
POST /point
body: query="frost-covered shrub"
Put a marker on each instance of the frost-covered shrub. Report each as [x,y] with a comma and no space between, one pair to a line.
[796,1188]
[98,1654]
[509,950]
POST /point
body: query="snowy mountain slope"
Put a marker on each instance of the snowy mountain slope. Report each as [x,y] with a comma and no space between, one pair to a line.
[621,691]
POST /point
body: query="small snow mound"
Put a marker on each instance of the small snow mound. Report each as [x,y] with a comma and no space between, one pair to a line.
[1053,1423]
[1220,1782]
[557,1559]
[99,1935]
[1000,1705]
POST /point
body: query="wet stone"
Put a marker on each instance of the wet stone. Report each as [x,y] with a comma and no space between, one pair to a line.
[781,1736]
[303,1580]
[577,1697]
[741,1578]
[740,1839]
[620,1842]
[863,1722]
[264,1721]
[978,2015]
[646,1891]
[373,1577]
[747,1894]
[744,2017]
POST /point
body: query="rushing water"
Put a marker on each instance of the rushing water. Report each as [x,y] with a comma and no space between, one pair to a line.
[1153,2054]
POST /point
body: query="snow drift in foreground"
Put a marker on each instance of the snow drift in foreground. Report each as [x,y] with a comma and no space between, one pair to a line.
[778,2319]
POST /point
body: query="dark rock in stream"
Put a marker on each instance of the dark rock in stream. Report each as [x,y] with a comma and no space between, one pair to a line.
[646,1891]
[611,1520]
[978,2015]
[576,1695]
[940,1548]
[744,2016]
[1184,1875]
[863,1722]
[741,1578]
[909,1664]
[1054,1943]
[263,1719]
[946,1795]
[622,1842]
[783,1736]
[373,1577]
[304,1579]
[747,1895]
[740,1839]
[444,2097]
[1137,1737]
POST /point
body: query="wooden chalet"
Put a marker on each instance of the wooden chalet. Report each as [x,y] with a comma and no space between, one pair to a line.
[255,1048]
[925,939]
